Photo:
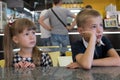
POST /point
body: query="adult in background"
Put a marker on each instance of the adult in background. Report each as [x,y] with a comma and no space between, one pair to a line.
[45,34]
[59,32]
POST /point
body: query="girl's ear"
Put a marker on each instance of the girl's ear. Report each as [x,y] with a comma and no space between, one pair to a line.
[15,39]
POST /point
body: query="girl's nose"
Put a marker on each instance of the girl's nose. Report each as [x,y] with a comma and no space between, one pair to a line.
[32,36]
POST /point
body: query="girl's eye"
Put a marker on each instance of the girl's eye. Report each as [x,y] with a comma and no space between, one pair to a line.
[26,34]
[94,26]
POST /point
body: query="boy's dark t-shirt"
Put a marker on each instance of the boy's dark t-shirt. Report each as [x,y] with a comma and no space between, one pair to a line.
[100,51]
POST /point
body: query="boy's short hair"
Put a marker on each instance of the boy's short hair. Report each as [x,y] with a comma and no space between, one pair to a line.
[56,1]
[84,15]
[88,6]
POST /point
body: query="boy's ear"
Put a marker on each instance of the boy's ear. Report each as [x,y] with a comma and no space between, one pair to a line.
[80,29]
[15,39]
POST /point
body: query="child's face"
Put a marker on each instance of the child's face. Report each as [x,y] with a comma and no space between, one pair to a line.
[95,25]
[26,39]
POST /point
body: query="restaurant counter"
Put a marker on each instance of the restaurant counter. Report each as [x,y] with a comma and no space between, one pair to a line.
[60,73]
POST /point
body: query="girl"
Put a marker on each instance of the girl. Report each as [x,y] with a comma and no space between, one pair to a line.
[21,33]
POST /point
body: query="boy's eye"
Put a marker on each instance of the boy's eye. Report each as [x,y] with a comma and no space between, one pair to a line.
[93,26]
[33,32]
[101,25]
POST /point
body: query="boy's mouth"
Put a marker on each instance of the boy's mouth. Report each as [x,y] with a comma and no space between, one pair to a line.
[99,36]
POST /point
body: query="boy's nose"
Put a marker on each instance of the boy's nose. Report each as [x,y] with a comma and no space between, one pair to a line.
[99,29]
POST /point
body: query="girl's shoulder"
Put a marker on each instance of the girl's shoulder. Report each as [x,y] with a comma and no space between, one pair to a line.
[44,54]
[16,55]
[45,59]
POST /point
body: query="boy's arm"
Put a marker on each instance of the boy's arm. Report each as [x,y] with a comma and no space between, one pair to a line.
[113,59]
[85,60]
[73,65]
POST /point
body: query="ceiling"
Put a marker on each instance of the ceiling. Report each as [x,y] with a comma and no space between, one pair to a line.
[33,5]
[30,4]
[37,4]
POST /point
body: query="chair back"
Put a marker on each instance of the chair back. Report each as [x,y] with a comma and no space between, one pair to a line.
[68,53]
[64,60]
[2,63]
[54,57]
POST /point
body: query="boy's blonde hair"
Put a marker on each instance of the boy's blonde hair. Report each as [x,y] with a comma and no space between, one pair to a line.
[12,29]
[84,15]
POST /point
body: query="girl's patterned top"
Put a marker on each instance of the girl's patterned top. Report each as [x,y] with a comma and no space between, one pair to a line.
[45,59]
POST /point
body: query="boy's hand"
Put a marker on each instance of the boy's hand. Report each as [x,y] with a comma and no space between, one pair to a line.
[88,35]
[73,65]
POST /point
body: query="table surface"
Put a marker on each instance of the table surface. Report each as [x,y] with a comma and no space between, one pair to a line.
[60,73]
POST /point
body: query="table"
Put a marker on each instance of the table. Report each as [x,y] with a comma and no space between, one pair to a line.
[47,48]
[52,48]
[60,73]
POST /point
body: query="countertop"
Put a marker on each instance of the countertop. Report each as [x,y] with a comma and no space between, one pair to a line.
[60,73]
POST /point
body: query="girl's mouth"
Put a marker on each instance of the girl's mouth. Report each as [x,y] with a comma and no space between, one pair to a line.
[33,42]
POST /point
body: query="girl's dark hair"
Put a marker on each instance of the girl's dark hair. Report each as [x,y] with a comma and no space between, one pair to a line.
[11,30]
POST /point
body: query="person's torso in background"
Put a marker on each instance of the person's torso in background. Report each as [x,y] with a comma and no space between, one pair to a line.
[62,13]
[45,33]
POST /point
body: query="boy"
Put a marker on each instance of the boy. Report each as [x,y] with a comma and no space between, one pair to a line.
[93,49]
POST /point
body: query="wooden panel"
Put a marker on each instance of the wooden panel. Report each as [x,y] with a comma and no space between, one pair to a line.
[99,4]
